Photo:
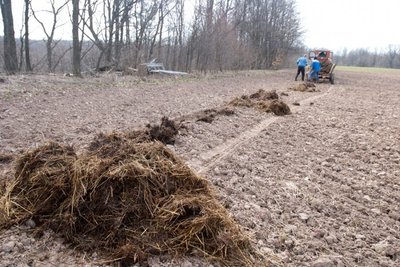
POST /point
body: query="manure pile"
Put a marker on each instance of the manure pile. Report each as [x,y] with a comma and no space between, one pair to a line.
[126,197]
[208,115]
[305,87]
[264,101]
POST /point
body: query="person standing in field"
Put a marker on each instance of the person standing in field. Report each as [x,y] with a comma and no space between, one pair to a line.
[315,68]
[301,67]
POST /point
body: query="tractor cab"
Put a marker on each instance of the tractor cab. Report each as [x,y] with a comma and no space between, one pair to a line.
[323,56]
[327,66]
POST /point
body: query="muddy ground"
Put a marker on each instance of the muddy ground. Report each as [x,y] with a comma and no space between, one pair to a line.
[319,187]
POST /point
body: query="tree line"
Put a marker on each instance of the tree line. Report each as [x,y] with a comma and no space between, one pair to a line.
[220,35]
[388,58]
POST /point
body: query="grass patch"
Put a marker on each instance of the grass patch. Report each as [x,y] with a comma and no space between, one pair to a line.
[367,69]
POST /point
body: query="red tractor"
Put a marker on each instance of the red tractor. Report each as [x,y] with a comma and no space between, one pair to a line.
[327,65]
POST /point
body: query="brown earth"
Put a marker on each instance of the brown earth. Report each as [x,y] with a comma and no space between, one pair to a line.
[319,187]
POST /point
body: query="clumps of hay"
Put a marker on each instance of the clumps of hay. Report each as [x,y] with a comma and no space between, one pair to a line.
[263,101]
[243,101]
[209,115]
[42,178]
[125,198]
[278,107]
[165,132]
[305,87]
[264,95]
[110,144]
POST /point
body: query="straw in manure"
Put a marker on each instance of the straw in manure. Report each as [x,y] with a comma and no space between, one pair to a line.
[127,199]
[263,101]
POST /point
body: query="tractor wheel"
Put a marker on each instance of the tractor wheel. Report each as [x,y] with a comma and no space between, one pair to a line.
[332,78]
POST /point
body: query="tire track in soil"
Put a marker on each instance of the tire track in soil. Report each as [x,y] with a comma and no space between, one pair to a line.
[212,157]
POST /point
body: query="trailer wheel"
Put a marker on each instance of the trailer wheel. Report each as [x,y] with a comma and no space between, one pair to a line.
[332,78]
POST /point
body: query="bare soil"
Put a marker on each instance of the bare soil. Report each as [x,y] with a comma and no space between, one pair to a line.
[318,187]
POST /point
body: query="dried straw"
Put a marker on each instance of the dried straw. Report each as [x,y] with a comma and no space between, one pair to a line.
[263,101]
[126,198]
[305,87]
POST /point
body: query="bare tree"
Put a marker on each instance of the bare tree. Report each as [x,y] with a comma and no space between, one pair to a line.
[164,9]
[28,66]
[112,15]
[224,34]
[178,32]
[95,36]
[10,49]
[143,18]
[117,38]
[232,34]
[124,41]
[110,35]
[50,42]
[393,52]
[76,51]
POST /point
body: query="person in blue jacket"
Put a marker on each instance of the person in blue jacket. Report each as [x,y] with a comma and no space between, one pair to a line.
[301,67]
[315,68]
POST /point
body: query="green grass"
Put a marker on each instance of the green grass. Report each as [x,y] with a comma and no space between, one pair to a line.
[367,69]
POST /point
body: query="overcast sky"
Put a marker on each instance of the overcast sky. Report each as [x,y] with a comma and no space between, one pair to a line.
[332,24]
[336,24]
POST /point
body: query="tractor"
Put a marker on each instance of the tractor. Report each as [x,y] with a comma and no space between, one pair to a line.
[327,66]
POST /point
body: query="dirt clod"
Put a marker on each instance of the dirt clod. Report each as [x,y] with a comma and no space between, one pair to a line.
[279,108]
[165,132]
[6,158]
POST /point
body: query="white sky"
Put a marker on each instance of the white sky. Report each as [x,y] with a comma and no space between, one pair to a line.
[336,24]
[41,7]
[332,24]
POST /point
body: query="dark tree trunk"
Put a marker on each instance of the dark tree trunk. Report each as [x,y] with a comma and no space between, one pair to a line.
[111,24]
[117,41]
[28,65]
[10,48]
[49,49]
[76,48]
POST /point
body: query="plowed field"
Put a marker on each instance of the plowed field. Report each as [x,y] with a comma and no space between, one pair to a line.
[318,187]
